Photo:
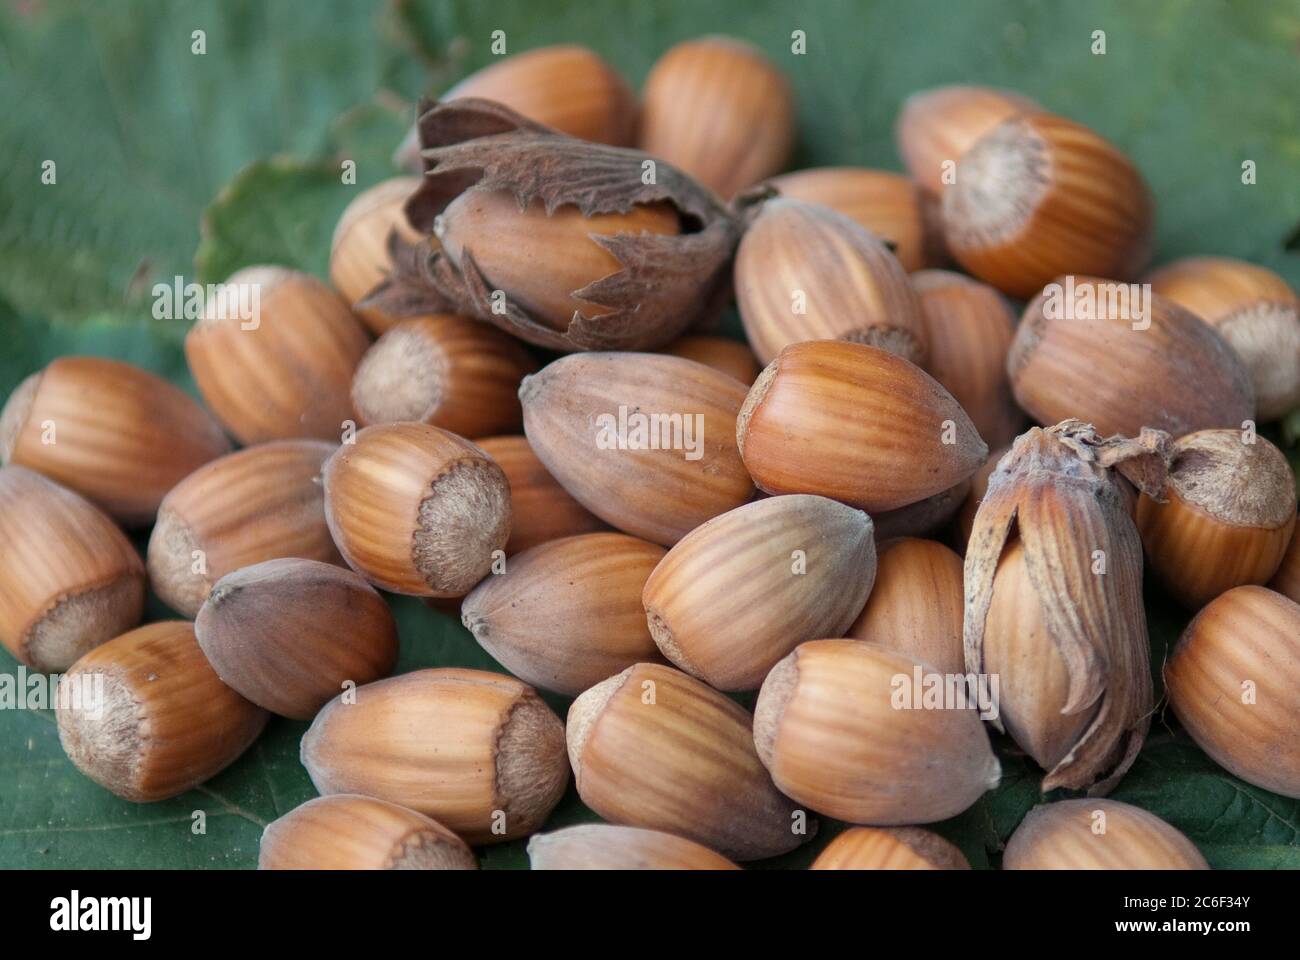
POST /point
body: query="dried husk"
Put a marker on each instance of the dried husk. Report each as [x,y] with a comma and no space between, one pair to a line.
[666,284]
[1058,490]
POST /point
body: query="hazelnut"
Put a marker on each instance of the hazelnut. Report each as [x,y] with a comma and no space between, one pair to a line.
[646,442]
[1121,370]
[352,832]
[252,505]
[805,272]
[359,257]
[828,728]
[289,634]
[461,375]
[567,614]
[165,722]
[915,606]
[1098,834]
[740,591]
[1229,515]
[566,86]
[69,579]
[718,109]
[415,509]
[1233,680]
[287,371]
[118,435]
[969,328]
[541,510]
[857,424]
[479,752]
[936,127]
[1253,309]
[652,747]
[890,848]
[887,205]
[1038,196]
[603,846]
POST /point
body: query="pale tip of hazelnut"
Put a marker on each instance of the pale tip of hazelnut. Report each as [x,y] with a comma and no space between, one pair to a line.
[465,517]
[399,378]
[170,562]
[81,621]
[106,744]
[757,393]
[662,634]
[430,850]
[773,696]
[1000,181]
[583,714]
[531,772]
[15,413]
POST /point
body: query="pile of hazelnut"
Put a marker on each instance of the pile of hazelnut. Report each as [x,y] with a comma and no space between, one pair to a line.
[628,509]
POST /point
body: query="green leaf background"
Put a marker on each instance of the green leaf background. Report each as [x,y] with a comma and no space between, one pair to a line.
[171,163]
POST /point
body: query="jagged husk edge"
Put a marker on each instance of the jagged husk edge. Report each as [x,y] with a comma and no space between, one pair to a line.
[667,284]
[1055,489]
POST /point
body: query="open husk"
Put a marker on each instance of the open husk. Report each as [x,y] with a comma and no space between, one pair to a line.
[1057,496]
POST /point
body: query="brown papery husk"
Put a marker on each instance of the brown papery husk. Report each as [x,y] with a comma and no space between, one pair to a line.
[667,282]
[1059,490]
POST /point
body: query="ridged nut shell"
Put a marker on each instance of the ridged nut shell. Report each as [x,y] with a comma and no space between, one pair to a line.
[69,579]
[915,607]
[1229,515]
[655,748]
[359,258]
[479,752]
[458,374]
[288,634]
[567,614]
[566,87]
[937,127]
[1287,579]
[805,272]
[604,846]
[1098,835]
[415,509]
[827,728]
[1255,310]
[541,509]
[721,353]
[252,505]
[118,435]
[890,848]
[856,424]
[165,722]
[1034,679]
[721,111]
[741,591]
[351,832]
[888,205]
[571,418]
[287,371]
[969,328]
[1234,683]
[1039,196]
[541,259]
[1172,373]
